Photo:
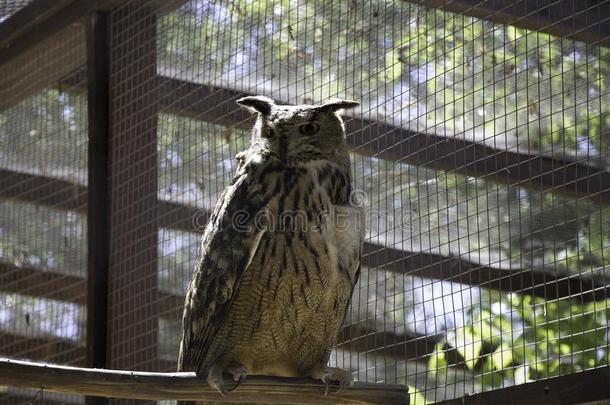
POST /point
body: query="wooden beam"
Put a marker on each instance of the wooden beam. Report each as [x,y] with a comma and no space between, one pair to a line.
[12,395]
[42,349]
[382,140]
[538,282]
[357,340]
[35,22]
[37,283]
[187,386]
[582,20]
[42,190]
[42,18]
[575,388]
[571,178]
[560,176]
[28,18]
[44,284]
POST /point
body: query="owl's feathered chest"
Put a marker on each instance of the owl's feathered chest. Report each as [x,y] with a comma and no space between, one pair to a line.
[294,267]
[312,187]
[300,279]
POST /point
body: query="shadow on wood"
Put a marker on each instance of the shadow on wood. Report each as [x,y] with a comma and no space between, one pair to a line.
[187,386]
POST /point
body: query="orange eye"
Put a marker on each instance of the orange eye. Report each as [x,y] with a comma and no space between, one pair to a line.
[309,128]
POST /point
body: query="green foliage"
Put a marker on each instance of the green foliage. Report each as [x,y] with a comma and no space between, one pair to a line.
[416,397]
[516,338]
[470,77]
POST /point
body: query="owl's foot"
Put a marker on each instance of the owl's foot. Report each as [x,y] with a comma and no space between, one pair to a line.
[239,373]
[343,377]
[237,370]
[215,379]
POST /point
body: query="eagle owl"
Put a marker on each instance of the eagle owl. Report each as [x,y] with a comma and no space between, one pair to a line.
[280,255]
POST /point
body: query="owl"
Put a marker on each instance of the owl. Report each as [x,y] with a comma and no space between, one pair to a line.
[280,255]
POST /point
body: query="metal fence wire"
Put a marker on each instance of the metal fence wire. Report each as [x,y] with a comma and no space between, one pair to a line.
[482,144]
[43,206]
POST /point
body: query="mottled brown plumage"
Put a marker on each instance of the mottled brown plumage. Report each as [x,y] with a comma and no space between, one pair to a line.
[280,255]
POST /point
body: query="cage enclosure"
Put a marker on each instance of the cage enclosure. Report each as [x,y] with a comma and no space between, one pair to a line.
[482,145]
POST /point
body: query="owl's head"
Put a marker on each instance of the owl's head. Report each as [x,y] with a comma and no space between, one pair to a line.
[301,132]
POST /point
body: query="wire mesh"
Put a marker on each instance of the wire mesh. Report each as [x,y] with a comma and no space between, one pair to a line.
[43,206]
[482,148]
[469,270]
[10,7]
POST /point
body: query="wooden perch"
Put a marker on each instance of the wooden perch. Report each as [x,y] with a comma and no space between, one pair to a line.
[187,386]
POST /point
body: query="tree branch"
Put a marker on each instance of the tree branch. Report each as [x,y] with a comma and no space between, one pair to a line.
[187,386]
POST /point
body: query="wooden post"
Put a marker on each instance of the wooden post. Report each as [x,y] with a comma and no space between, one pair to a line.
[98,232]
[133,323]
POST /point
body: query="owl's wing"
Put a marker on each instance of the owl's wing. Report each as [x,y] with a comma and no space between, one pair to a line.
[228,245]
[350,234]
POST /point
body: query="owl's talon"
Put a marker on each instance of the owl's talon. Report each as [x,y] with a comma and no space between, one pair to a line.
[239,373]
[344,378]
[215,380]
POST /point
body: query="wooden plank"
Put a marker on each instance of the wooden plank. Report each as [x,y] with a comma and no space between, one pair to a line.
[48,17]
[13,395]
[49,285]
[187,386]
[582,20]
[576,388]
[71,289]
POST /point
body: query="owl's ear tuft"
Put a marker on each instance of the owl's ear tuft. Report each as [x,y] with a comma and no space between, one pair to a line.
[335,105]
[260,104]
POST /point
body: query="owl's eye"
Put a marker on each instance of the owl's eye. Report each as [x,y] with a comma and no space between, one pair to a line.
[309,128]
